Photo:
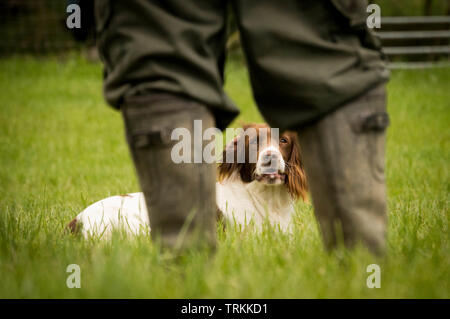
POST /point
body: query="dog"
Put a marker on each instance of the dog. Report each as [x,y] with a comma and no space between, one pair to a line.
[248,191]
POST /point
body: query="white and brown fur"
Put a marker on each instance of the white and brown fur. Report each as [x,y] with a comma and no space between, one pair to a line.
[245,192]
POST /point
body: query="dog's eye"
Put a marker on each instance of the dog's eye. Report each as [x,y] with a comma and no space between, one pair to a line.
[283,140]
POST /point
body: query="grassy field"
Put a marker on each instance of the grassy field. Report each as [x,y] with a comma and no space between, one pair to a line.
[61,149]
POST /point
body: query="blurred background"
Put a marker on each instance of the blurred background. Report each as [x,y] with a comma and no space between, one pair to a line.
[412,30]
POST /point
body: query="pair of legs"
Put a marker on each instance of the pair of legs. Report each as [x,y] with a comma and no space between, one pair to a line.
[314,67]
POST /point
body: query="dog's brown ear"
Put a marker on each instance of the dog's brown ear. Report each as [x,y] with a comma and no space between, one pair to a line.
[74,226]
[227,168]
[296,177]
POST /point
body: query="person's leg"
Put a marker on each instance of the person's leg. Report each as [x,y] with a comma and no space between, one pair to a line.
[315,67]
[343,155]
[163,64]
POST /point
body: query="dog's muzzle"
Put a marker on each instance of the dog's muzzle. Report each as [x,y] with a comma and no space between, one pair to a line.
[270,167]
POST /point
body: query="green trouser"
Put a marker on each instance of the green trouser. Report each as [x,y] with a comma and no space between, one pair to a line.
[306,59]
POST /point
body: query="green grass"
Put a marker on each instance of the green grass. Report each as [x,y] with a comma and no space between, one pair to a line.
[62,148]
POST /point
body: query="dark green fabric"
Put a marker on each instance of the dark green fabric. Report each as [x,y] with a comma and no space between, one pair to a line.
[344,159]
[305,58]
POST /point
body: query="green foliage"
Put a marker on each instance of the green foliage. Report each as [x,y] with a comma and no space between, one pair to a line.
[62,148]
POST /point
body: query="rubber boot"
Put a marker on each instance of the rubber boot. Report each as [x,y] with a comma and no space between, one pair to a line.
[180,198]
[344,158]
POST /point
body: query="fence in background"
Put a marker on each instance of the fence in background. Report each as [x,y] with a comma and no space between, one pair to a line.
[39,26]
[416,42]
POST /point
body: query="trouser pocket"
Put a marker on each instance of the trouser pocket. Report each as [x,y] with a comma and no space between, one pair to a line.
[368,121]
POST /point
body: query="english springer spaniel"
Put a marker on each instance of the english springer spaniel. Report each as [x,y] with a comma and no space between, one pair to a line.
[247,191]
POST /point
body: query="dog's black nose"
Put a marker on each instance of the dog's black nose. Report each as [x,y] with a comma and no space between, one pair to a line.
[269,158]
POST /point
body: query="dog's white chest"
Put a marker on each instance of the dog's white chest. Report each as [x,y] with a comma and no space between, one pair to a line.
[254,202]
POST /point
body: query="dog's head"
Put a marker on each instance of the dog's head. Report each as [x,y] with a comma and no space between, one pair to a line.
[257,154]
